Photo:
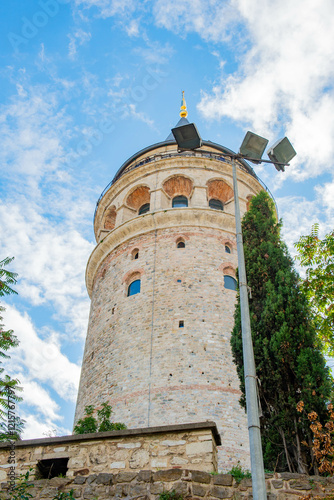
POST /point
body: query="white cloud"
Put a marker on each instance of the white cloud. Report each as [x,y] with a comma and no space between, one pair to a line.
[108,8]
[132,28]
[50,260]
[211,19]
[30,129]
[154,52]
[138,115]
[79,37]
[285,78]
[40,361]
[37,427]
[300,214]
[38,398]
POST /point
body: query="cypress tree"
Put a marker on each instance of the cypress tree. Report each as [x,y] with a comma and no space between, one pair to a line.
[289,364]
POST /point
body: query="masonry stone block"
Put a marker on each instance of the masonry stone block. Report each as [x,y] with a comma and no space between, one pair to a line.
[139,459]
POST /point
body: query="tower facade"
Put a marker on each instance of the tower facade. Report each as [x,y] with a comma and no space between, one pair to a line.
[162,285]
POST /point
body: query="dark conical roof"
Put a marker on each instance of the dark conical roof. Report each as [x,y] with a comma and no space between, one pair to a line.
[182,121]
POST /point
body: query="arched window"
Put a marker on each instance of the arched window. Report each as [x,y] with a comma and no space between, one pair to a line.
[144,208]
[230,283]
[216,204]
[134,288]
[135,253]
[181,244]
[179,202]
[227,249]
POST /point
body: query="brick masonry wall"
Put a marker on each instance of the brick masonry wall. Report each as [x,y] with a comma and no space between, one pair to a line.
[190,484]
[136,356]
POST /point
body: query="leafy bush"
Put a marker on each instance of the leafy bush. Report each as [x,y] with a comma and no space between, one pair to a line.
[102,424]
[238,473]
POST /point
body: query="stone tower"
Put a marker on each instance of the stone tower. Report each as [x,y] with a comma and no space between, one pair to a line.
[162,285]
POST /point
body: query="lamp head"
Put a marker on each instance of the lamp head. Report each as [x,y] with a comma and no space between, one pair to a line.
[187,136]
[253,147]
[281,152]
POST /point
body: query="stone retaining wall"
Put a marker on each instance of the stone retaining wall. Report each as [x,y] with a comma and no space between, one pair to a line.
[185,445]
[147,485]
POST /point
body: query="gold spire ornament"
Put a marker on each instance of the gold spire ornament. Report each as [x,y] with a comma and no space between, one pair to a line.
[183,111]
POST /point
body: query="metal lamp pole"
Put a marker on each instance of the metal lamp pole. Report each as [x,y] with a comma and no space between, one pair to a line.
[252,149]
[257,469]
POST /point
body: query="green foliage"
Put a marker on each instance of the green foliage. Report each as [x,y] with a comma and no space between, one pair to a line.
[170,495]
[289,363]
[9,387]
[62,496]
[20,490]
[102,424]
[239,473]
[317,257]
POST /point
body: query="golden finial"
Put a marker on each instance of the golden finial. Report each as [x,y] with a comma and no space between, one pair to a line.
[183,111]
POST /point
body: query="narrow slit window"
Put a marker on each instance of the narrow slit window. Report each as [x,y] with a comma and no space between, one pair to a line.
[227,249]
[135,253]
[181,324]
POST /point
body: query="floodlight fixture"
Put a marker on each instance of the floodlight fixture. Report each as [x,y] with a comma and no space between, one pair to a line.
[281,153]
[253,147]
[187,137]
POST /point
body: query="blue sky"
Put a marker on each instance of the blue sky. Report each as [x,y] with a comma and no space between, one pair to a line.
[87,83]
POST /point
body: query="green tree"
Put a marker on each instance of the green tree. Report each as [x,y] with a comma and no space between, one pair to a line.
[316,255]
[10,428]
[289,363]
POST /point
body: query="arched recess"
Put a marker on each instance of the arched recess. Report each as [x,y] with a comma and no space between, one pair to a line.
[219,190]
[139,197]
[228,269]
[180,242]
[110,218]
[248,198]
[178,186]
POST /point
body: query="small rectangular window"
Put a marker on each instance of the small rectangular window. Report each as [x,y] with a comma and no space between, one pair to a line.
[181,324]
[52,467]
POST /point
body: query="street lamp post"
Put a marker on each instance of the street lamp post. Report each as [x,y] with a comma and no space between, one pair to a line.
[253,421]
[252,149]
